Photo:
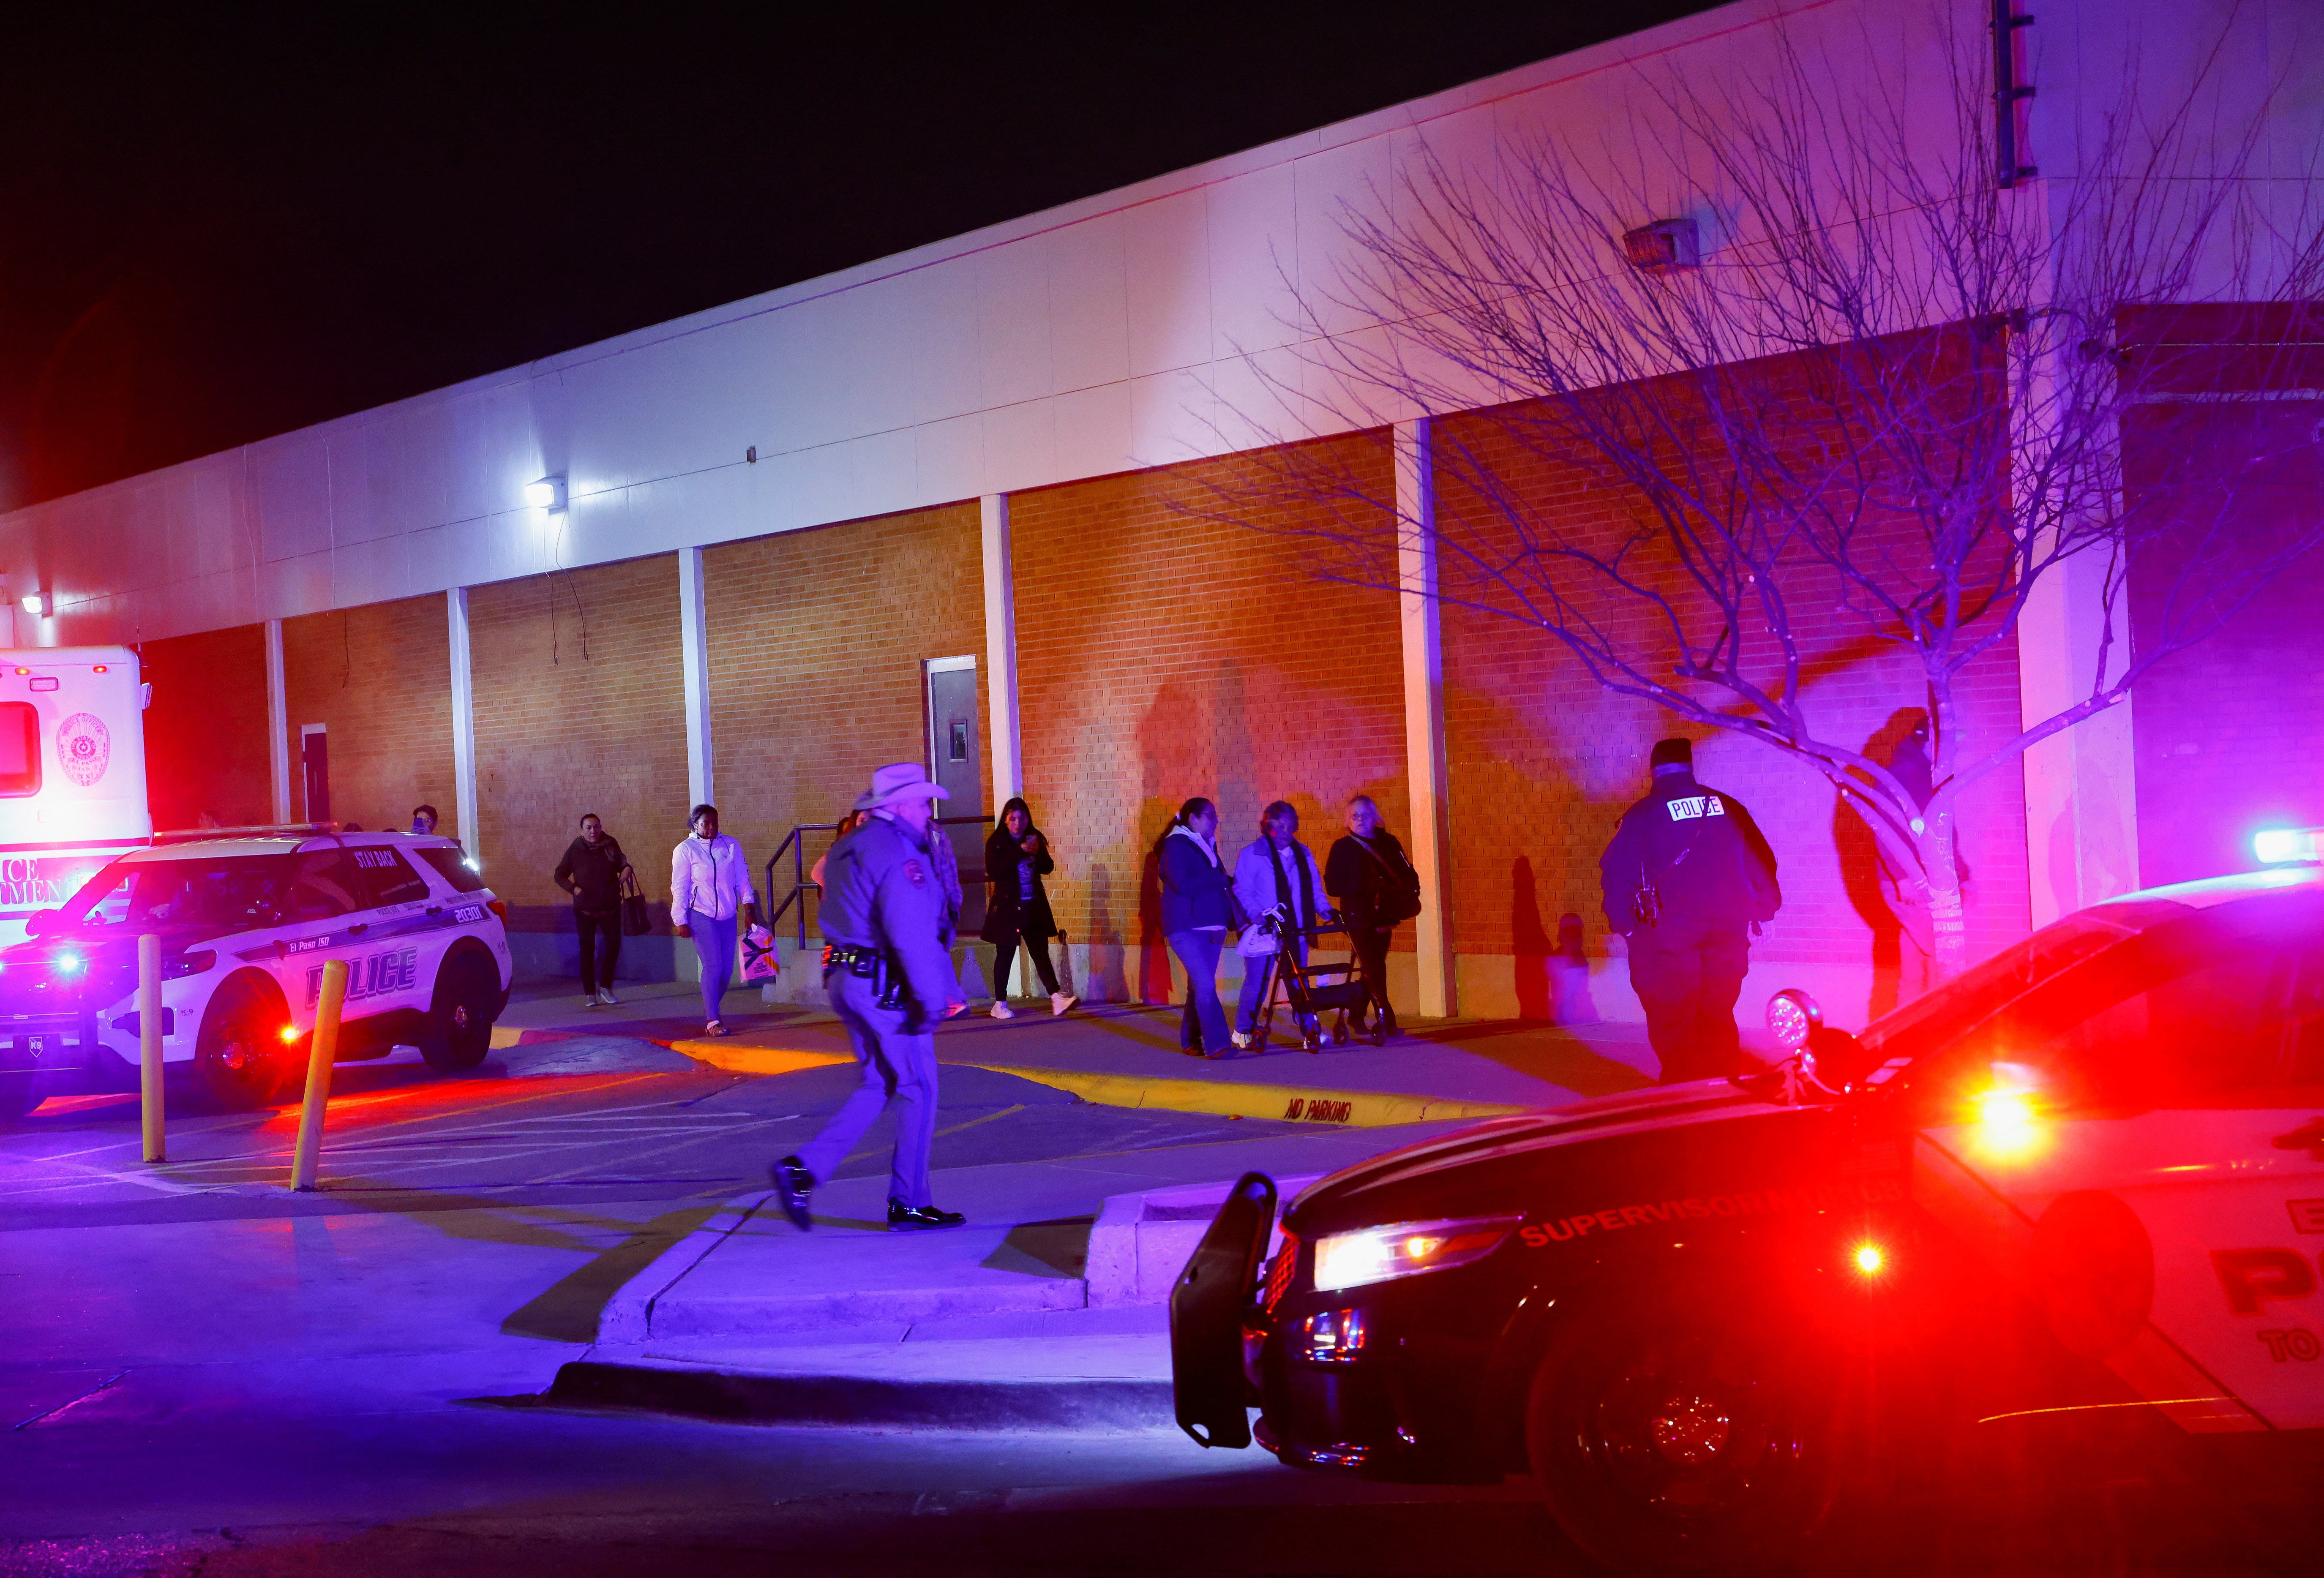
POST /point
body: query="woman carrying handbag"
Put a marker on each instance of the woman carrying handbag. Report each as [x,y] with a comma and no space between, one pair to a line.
[1376,890]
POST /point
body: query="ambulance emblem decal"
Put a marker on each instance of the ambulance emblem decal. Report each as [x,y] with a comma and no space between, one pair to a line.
[84,746]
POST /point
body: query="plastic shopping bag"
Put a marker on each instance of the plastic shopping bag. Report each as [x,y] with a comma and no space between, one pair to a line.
[759,960]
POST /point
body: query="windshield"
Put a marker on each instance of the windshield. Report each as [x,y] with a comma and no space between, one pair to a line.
[218,895]
[1936,1019]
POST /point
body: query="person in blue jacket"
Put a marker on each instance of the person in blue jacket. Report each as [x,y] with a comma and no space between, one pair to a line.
[1687,880]
[1197,907]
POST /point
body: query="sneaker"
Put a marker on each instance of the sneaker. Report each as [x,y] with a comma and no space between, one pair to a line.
[1242,1039]
[903,1218]
[608,999]
[1001,1010]
[589,1000]
[793,1185]
[1061,1001]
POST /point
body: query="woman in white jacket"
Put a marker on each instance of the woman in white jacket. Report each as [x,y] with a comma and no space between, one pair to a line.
[1276,868]
[711,900]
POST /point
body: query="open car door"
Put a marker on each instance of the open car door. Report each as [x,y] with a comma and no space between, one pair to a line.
[1206,1306]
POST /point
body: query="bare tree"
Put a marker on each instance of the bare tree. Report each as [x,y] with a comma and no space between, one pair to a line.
[1867,376]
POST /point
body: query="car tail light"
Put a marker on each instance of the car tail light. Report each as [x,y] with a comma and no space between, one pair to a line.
[1278,1273]
[497,908]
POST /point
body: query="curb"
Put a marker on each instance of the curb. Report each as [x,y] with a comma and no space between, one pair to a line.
[862,1400]
[1289,1104]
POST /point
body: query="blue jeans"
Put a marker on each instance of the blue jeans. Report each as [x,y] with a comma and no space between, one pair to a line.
[714,944]
[897,1066]
[1198,955]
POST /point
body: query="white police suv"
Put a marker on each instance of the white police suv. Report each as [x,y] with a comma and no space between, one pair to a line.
[247,925]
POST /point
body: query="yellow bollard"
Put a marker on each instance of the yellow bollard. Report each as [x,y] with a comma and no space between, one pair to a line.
[319,1075]
[149,1043]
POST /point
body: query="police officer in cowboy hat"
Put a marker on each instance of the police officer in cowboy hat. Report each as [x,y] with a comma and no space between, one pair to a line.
[889,980]
[1687,879]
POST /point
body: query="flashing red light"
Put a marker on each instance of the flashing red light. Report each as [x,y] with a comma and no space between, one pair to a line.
[100,668]
[290,1034]
[1870,1260]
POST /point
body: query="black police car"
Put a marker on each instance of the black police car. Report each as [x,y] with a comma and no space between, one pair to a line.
[2064,1209]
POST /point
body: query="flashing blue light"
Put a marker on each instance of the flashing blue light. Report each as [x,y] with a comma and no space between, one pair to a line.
[2285,845]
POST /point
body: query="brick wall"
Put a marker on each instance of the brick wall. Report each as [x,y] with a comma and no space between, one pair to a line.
[2228,735]
[205,731]
[1163,655]
[379,678]
[580,706]
[1544,758]
[816,639]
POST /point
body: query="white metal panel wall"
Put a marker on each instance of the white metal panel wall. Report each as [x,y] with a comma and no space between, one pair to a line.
[1104,335]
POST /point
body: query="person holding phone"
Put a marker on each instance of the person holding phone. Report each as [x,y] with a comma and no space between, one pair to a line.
[1016,858]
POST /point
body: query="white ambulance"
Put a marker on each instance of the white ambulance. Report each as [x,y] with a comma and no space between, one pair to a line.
[72,773]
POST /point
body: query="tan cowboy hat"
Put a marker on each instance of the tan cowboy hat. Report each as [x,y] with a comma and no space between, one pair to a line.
[900,781]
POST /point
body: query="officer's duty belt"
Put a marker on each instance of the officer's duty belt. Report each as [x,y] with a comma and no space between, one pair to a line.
[852,957]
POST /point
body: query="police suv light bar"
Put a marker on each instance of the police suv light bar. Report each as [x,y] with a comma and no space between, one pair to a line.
[2276,846]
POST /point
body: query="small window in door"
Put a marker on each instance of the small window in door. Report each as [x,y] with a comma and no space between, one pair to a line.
[388,877]
[20,749]
[325,883]
[957,744]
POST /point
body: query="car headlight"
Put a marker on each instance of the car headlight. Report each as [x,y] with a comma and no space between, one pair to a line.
[1405,1248]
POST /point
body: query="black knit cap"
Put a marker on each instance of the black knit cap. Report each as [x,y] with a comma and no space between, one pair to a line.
[1673,753]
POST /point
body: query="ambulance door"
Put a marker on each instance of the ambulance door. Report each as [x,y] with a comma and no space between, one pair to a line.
[323,918]
[2159,1130]
[404,943]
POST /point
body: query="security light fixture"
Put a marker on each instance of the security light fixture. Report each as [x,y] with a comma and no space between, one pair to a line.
[1664,245]
[39,604]
[548,494]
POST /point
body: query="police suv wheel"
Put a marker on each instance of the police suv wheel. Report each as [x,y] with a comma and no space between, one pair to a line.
[460,1023]
[1682,1434]
[238,1055]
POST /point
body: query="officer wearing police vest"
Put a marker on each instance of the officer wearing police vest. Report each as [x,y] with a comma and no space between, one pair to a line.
[1688,879]
[889,980]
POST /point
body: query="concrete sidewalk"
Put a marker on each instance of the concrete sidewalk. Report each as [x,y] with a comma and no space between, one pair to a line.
[1047,1311]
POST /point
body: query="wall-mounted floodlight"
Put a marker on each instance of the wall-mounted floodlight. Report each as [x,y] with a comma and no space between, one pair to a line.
[1664,246]
[548,494]
[39,604]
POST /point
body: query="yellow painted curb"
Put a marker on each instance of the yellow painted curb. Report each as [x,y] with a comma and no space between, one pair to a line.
[1284,1103]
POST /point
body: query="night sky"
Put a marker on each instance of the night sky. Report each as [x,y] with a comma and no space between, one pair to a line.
[220,222]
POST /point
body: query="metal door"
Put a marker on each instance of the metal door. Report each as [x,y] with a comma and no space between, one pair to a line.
[955,760]
[315,757]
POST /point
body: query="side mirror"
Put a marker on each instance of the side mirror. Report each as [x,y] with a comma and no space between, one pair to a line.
[40,923]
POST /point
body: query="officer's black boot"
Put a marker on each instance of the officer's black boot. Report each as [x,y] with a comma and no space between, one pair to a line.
[903,1218]
[793,1185]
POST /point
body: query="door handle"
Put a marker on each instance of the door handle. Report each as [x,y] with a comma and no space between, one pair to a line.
[359,928]
[2309,1137]
[434,909]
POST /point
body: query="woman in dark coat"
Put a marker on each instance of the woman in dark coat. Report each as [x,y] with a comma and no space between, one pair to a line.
[1197,907]
[1016,858]
[1375,888]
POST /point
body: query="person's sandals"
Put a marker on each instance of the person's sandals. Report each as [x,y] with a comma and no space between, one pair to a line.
[717,1027]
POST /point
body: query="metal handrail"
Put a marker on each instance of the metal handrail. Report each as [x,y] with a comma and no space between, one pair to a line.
[794,843]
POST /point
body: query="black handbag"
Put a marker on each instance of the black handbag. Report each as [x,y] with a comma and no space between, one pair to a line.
[1399,899]
[635,920]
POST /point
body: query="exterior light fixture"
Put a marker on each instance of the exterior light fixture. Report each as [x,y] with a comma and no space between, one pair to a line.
[39,604]
[548,494]
[1664,246]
